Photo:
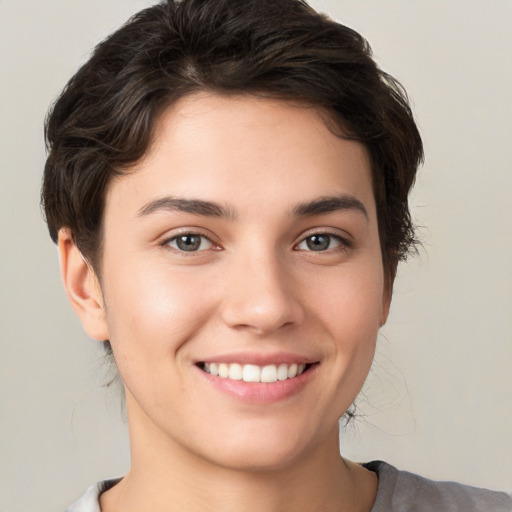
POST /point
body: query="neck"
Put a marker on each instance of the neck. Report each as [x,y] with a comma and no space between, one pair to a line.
[165,477]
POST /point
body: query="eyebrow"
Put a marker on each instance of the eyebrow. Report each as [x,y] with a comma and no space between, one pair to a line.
[330,204]
[319,206]
[194,206]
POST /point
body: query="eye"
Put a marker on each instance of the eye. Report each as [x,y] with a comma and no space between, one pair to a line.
[321,242]
[190,242]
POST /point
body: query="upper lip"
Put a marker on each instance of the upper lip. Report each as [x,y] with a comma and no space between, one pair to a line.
[259,359]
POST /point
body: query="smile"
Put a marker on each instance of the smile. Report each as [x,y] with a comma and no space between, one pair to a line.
[254,373]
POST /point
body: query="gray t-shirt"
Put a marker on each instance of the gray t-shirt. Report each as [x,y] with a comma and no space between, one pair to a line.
[399,491]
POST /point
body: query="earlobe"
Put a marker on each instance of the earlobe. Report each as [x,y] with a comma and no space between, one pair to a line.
[82,287]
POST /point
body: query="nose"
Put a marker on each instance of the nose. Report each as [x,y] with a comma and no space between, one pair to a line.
[261,296]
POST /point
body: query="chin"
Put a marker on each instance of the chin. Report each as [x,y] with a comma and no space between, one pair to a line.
[257,460]
[265,448]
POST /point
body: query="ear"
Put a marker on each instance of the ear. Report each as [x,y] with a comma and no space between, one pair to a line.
[82,287]
[387,292]
[386,304]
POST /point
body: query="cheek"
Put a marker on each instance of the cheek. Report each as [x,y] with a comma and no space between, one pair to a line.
[350,300]
[351,312]
[151,313]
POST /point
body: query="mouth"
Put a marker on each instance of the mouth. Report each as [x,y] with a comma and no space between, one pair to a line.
[254,373]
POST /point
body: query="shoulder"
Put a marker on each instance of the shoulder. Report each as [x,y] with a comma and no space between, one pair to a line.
[401,491]
[89,502]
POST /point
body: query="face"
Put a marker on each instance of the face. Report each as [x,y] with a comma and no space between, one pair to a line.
[242,281]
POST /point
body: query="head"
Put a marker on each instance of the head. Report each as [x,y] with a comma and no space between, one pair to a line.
[104,120]
[173,75]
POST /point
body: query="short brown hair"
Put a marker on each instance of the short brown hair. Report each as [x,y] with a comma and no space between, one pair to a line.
[104,119]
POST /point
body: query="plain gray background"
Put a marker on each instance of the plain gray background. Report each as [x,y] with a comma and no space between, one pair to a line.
[439,398]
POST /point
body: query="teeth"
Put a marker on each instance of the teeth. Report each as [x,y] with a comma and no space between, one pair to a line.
[254,373]
[223,370]
[282,372]
[214,368]
[292,371]
[251,373]
[235,371]
[269,373]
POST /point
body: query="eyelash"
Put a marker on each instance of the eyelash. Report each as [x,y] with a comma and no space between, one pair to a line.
[188,234]
[343,243]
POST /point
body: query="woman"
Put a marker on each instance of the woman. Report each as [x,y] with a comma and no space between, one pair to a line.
[227,183]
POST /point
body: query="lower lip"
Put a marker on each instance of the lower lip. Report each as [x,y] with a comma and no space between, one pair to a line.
[260,392]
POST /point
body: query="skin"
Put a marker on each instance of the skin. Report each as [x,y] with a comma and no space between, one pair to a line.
[253,288]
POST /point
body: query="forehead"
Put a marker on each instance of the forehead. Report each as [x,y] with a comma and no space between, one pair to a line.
[245,150]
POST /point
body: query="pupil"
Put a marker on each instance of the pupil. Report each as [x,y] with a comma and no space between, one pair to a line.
[189,242]
[318,242]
